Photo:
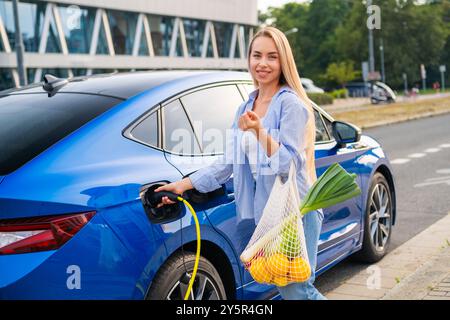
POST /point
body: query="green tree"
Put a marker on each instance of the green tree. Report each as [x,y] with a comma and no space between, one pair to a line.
[333,31]
[412,34]
[290,16]
[341,73]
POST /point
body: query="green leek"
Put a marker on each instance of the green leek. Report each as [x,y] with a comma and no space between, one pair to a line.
[335,185]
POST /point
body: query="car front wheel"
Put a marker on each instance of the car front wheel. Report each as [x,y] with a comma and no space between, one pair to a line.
[377,221]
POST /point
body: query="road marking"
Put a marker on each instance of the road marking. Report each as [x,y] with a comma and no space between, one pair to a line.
[400,161]
[437,180]
[445,145]
[428,182]
[417,155]
[432,150]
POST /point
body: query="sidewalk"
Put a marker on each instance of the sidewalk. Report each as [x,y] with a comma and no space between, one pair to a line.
[418,269]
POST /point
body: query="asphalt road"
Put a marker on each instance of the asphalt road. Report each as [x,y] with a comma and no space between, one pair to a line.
[420,154]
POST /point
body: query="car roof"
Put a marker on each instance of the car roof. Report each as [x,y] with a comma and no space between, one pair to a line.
[127,84]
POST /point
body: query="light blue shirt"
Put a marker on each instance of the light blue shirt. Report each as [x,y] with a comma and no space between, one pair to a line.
[285,121]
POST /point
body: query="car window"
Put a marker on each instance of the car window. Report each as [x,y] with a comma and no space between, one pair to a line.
[212,112]
[147,130]
[329,127]
[321,132]
[178,134]
[30,123]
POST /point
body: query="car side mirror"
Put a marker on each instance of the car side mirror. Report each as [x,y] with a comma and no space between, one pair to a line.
[345,132]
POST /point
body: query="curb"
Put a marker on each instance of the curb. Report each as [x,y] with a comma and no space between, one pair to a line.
[408,272]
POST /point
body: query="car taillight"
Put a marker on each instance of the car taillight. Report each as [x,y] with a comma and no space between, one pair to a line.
[40,233]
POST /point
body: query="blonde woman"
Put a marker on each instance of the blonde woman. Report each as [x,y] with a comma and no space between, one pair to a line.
[276,126]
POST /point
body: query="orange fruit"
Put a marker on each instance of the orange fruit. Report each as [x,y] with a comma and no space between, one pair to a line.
[259,271]
[299,271]
[278,265]
[280,281]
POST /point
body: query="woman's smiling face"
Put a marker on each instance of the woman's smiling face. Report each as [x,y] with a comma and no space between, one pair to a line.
[264,63]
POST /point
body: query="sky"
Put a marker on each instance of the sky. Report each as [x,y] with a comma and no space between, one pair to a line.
[264,4]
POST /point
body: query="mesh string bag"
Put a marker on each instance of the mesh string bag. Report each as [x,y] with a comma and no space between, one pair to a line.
[276,253]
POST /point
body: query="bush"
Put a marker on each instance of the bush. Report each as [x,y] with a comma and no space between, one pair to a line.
[321,98]
[341,93]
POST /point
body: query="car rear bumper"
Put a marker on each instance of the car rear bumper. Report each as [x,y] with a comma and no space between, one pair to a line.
[92,265]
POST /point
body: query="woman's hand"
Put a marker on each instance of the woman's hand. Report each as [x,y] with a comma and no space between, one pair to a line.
[250,121]
[178,187]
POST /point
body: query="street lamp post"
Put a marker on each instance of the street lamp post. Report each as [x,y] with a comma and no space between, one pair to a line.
[443,69]
[405,81]
[383,75]
[19,46]
[371,51]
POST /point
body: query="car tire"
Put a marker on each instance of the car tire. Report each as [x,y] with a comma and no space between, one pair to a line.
[168,285]
[377,221]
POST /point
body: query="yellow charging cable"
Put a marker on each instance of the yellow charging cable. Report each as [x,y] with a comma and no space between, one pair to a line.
[197,254]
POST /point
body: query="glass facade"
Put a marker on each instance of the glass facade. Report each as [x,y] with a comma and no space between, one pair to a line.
[123,30]
[224,34]
[30,74]
[161,31]
[32,14]
[100,71]
[144,50]
[77,25]
[194,31]
[79,72]
[102,44]
[6,78]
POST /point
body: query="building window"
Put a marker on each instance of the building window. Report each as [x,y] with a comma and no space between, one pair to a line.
[144,50]
[78,25]
[6,79]
[161,29]
[247,38]
[79,72]
[123,29]
[102,71]
[194,31]
[102,45]
[224,33]
[6,12]
[31,22]
[30,74]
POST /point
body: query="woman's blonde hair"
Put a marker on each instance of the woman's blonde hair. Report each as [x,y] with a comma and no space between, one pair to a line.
[289,75]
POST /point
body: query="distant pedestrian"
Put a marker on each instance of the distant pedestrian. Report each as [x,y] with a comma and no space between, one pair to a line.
[415,91]
[436,86]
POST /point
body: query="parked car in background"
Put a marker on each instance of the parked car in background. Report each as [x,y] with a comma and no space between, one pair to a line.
[310,87]
[358,89]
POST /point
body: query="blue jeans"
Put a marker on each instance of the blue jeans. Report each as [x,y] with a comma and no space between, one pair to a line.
[312,224]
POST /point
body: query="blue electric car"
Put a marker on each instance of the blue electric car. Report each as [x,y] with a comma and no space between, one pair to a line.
[76,154]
